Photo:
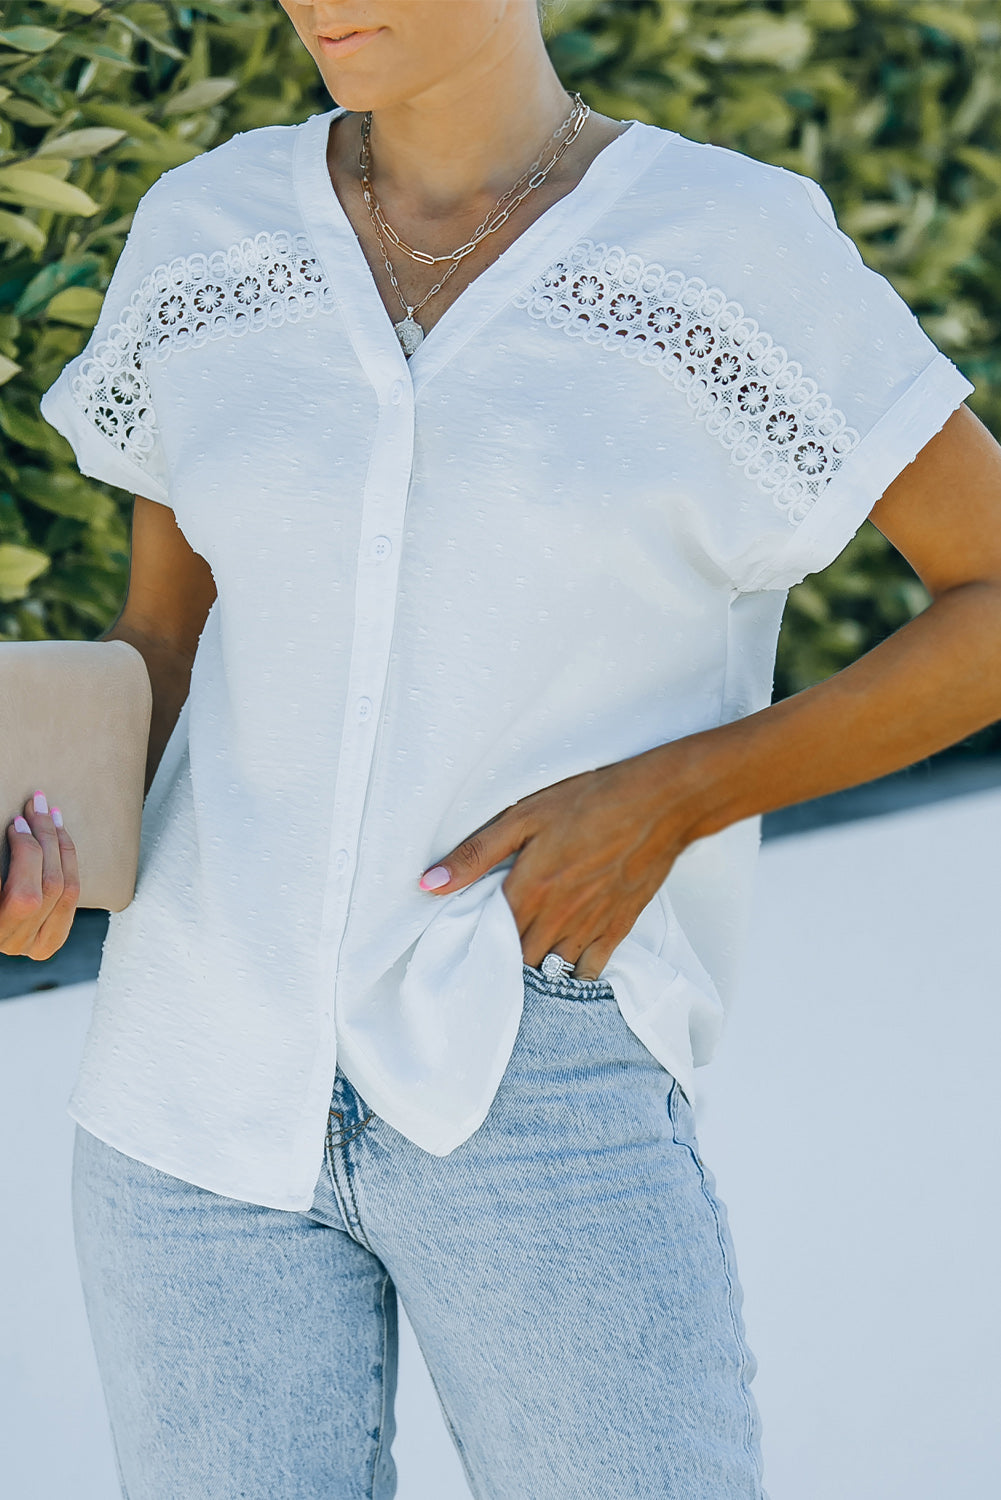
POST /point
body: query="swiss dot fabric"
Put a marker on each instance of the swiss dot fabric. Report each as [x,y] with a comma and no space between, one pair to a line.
[560,534]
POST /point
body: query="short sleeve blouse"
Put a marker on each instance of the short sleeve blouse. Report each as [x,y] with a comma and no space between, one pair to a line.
[560,534]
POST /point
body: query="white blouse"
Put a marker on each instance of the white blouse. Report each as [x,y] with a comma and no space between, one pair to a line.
[560,534]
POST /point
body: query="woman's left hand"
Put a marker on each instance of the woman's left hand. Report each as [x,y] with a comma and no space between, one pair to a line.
[591,852]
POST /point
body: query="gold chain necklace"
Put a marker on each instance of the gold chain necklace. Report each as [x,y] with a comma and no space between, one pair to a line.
[408,330]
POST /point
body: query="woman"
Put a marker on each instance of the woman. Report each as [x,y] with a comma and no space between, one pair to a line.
[458,579]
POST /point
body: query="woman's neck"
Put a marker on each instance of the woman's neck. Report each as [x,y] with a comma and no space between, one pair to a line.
[435,173]
[435,158]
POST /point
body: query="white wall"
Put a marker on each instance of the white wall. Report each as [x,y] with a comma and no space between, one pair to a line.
[852,1117]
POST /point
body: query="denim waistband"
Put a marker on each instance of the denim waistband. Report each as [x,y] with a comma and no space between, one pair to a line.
[566,985]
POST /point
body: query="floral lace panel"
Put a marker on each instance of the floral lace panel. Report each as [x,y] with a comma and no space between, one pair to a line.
[777,424]
[258,283]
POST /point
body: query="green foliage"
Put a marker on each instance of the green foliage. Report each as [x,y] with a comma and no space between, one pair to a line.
[96,101]
[894,106]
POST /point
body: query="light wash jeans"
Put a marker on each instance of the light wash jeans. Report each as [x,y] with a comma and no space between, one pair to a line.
[567,1270]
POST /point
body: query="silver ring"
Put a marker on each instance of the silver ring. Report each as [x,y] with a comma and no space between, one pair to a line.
[555,967]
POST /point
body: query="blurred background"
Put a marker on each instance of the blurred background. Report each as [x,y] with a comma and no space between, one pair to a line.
[855,1172]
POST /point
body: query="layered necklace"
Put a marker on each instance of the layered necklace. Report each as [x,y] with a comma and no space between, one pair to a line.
[408,330]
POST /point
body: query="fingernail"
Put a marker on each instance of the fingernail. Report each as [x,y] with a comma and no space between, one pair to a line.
[434,879]
[21,824]
[57,817]
[40,803]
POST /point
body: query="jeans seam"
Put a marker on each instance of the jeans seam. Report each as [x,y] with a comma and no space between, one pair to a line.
[349,1135]
[727,1272]
[382,1411]
[360,1234]
[335,1184]
[329,1159]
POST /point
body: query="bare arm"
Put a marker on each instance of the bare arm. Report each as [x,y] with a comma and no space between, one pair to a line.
[931,683]
[171,590]
[593,849]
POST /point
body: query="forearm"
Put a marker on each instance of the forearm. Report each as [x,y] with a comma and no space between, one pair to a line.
[170,679]
[933,682]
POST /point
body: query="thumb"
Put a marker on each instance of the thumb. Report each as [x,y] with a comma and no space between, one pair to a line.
[476,855]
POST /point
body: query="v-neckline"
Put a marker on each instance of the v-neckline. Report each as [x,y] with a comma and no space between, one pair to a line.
[347,268]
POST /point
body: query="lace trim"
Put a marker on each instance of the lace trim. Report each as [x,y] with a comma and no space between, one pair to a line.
[261,282]
[779,427]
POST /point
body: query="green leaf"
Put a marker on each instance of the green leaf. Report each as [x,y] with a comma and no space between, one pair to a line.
[49,166]
[27,112]
[21,428]
[8,369]
[97,52]
[869,218]
[167,152]
[76,143]
[832,15]
[51,279]
[954,20]
[24,231]
[158,42]
[79,305]
[66,494]
[30,38]
[38,190]
[986,162]
[19,566]
[132,121]
[201,95]
[34,86]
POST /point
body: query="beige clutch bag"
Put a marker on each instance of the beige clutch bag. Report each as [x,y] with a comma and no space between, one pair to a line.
[74,723]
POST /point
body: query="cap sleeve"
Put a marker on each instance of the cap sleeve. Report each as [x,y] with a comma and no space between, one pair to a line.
[101,401]
[834,400]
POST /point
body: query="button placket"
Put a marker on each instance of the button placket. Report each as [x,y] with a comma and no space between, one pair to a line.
[383,506]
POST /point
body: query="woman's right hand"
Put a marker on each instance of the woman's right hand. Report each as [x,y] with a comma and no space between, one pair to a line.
[39,896]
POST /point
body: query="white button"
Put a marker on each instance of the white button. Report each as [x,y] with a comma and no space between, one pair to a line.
[341,859]
[381,547]
[363,708]
[396,394]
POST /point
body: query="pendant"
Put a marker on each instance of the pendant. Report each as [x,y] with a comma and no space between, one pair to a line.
[410,334]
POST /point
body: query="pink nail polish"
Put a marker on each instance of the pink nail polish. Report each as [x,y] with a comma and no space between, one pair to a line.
[434,879]
[41,805]
[21,824]
[57,817]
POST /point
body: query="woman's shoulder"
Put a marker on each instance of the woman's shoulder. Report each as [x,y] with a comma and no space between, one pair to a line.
[709,177]
[229,193]
[251,170]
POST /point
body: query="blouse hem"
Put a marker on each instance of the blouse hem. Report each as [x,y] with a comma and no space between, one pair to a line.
[437,1141]
[209,1181]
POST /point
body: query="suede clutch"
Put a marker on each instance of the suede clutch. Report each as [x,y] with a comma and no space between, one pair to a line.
[74,723]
